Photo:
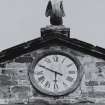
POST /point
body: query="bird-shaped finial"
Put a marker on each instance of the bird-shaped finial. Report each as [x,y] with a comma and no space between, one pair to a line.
[55,11]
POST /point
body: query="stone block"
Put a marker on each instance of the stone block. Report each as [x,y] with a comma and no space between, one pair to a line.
[25,59]
[54,30]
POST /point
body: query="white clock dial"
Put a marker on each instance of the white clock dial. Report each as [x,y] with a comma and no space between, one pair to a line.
[55,73]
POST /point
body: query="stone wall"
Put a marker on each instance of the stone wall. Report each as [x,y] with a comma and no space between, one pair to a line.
[15,86]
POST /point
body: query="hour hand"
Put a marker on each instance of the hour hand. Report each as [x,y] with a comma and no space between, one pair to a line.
[50,69]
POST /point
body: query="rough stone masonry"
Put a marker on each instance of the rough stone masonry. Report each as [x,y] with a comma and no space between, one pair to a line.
[15,86]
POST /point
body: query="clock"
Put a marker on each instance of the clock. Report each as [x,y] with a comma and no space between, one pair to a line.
[55,73]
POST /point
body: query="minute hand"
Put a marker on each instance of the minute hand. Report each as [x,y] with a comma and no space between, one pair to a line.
[50,70]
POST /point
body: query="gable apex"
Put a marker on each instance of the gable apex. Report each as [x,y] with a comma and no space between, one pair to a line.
[35,44]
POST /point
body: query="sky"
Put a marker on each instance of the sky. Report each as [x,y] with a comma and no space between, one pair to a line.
[21,20]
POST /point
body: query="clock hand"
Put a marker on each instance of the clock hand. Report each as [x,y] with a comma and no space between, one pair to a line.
[55,77]
[50,70]
[55,84]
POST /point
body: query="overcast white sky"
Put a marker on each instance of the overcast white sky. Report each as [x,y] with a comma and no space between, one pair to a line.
[21,20]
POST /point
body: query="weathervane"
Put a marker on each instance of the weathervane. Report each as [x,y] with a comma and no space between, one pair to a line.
[55,11]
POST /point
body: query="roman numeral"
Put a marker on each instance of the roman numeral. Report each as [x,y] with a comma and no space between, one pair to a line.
[55,58]
[47,84]
[70,79]
[63,60]
[55,86]
[71,72]
[65,84]
[69,65]
[41,79]
[39,73]
[47,60]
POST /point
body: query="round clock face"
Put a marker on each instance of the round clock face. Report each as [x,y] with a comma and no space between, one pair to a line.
[55,74]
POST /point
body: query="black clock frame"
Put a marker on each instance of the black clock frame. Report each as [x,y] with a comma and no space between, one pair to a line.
[61,52]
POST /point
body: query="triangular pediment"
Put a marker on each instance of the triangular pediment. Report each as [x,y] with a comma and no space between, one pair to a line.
[49,40]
